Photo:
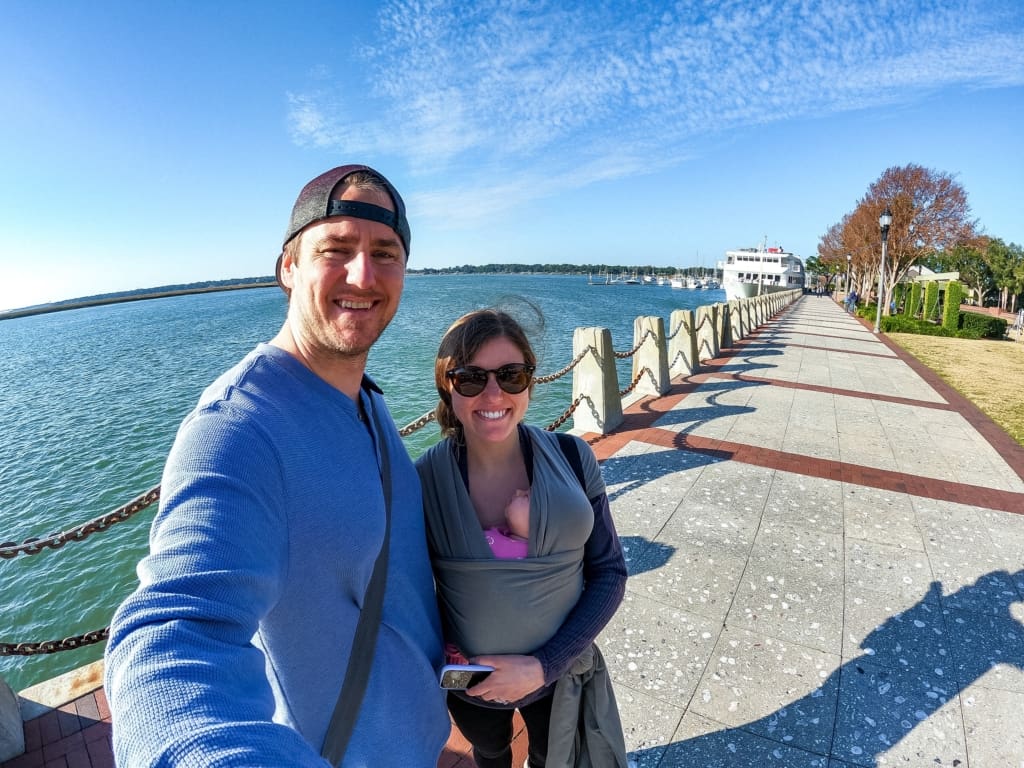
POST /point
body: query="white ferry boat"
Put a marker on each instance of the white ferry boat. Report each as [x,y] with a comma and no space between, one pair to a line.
[748,272]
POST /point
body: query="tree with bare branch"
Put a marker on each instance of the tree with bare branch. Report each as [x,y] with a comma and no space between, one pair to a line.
[930,215]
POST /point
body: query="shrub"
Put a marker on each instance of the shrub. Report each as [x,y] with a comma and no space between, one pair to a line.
[978,326]
[951,306]
[902,324]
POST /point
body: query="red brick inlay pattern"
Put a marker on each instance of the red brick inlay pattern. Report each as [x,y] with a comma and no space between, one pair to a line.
[700,378]
[639,417]
[76,735]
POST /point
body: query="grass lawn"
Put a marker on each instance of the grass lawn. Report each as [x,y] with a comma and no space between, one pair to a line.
[989,373]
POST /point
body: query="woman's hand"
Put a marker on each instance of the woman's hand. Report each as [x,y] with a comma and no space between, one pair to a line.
[513,678]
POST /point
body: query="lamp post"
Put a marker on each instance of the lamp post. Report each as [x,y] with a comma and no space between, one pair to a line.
[883,222]
[849,261]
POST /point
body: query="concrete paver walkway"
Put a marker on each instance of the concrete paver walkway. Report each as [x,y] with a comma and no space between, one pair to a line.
[826,567]
[826,554]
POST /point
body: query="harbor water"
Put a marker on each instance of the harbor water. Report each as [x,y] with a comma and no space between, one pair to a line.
[90,400]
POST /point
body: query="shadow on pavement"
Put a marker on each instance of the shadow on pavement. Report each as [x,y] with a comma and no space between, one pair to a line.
[912,665]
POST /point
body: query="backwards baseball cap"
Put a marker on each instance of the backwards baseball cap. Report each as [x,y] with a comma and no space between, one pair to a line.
[314,204]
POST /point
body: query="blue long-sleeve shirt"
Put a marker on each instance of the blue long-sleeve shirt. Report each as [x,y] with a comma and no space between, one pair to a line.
[233,648]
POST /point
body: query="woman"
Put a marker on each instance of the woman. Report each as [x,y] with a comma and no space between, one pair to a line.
[532,619]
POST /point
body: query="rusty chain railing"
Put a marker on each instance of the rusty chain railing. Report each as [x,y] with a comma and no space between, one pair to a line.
[624,355]
[34,546]
[565,414]
[419,424]
[52,646]
[559,374]
[682,324]
[639,375]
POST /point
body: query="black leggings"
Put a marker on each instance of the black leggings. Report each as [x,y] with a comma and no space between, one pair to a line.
[490,731]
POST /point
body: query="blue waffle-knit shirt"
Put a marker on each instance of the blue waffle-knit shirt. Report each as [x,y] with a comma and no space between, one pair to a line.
[232,650]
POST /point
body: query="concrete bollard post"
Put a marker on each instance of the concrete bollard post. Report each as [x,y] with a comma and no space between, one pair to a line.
[651,355]
[12,732]
[735,321]
[707,344]
[595,378]
[682,346]
[739,330]
[722,331]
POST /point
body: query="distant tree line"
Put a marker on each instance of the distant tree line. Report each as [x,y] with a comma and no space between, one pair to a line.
[176,288]
[555,269]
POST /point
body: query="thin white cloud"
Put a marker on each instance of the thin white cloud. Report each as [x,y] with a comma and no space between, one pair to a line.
[473,91]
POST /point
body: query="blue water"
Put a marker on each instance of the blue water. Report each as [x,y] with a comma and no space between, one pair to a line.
[90,400]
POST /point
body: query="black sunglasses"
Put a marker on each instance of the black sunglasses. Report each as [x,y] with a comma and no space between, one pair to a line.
[470,381]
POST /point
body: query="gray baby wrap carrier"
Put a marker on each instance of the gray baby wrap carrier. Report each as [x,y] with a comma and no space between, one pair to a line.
[493,606]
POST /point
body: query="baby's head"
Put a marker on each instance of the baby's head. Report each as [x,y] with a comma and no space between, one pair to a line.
[517,514]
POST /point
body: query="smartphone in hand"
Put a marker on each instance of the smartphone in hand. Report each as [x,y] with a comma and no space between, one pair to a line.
[459,677]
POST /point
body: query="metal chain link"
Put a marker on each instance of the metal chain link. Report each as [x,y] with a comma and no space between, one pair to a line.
[623,355]
[565,414]
[559,374]
[673,360]
[53,646]
[636,381]
[33,546]
[420,423]
[676,331]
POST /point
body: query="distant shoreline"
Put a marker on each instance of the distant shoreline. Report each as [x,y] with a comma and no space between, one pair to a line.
[43,309]
[269,282]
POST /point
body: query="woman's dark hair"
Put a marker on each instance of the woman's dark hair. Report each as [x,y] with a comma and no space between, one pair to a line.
[461,342]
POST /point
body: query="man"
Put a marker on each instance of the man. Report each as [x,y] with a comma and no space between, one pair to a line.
[233,648]
[851,301]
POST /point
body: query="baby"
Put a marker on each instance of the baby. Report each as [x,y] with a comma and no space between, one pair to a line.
[508,542]
[511,541]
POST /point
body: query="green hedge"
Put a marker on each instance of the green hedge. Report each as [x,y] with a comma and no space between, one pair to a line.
[972,326]
[951,306]
[931,301]
[978,326]
[904,324]
[912,307]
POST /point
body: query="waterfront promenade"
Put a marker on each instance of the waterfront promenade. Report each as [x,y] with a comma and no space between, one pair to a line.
[826,554]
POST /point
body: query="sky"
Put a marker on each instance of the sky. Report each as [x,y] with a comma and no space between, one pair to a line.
[155,143]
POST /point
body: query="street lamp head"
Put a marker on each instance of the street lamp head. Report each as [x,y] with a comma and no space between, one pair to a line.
[885,219]
[849,258]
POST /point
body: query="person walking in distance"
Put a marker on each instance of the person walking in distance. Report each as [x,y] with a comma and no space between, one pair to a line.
[284,488]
